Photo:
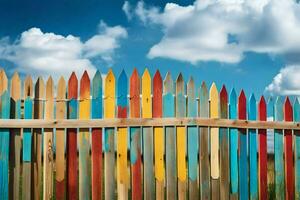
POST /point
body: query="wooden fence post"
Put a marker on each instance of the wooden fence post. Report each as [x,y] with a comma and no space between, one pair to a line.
[122,108]
[84,138]
[252,135]
[27,140]
[97,137]
[170,135]
[224,147]
[214,143]
[15,136]
[72,165]
[60,140]
[109,137]
[159,144]
[149,187]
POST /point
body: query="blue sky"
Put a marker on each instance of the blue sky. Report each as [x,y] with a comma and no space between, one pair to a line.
[158,35]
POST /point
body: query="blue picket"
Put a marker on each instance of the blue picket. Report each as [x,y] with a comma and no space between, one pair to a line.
[27,134]
[297,150]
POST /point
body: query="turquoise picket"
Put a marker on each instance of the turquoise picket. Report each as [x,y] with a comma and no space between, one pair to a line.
[233,132]
[278,151]
[297,149]
[4,150]
[27,131]
[252,134]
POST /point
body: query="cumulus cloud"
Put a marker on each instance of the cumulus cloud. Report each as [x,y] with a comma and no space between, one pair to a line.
[40,53]
[223,30]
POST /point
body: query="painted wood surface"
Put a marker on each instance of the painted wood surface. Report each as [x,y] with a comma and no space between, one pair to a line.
[27,139]
[262,151]
[170,137]
[39,95]
[84,138]
[278,151]
[288,152]
[4,138]
[149,183]
[15,136]
[181,137]
[48,143]
[193,142]
[97,137]
[158,137]
[252,136]
[122,146]
[204,165]
[214,143]
[297,150]
[109,138]
[243,162]
[224,147]
[135,138]
[233,154]
[60,140]
[72,166]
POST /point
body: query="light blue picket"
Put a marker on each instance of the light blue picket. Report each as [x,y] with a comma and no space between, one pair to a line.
[278,151]
[233,132]
[4,144]
[170,135]
[297,149]
[252,134]
[27,131]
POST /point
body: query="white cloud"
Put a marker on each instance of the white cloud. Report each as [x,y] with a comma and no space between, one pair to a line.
[224,30]
[127,10]
[39,53]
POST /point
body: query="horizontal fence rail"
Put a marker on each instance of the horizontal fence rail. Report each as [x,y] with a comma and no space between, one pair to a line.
[143,137]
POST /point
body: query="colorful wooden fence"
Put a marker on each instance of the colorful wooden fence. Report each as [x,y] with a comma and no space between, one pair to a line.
[142,138]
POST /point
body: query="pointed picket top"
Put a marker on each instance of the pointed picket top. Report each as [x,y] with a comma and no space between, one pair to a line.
[223,103]
[39,90]
[180,84]
[157,95]
[61,89]
[85,86]
[28,87]
[278,108]
[73,86]
[296,110]
[242,105]
[270,107]
[288,110]
[192,106]
[233,104]
[134,76]
[97,85]
[168,84]
[122,89]
[204,100]
[15,89]
[214,101]
[262,109]
[252,108]
[110,84]
[3,81]
[134,94]
[146,95]
[49,88]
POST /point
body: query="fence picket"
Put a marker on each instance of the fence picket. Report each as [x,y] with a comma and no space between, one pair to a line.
[288,150]
[170,137]
[224,148]
[278,151]
[297,149]
[60,140]
[4,138]
[39,95]
[214,143]
[84,138]
[233,141]
[149,189]
[109,138]
[252,135]
[158,137]
[181,137]
[193,142]
[72,166]
[15,136]
[96,137]
[122,109]
[135,138]
[27,140]
[204,145]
